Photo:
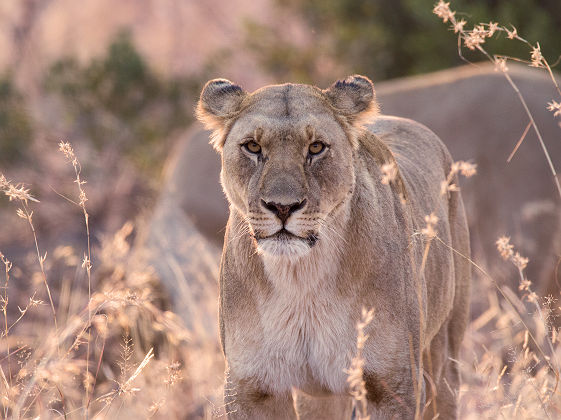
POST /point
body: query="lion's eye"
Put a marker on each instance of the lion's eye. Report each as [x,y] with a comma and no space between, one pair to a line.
[252,147]
[316,148]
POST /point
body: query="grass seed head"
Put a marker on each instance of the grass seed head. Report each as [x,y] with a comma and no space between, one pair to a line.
[458,26]
[443,11]
[554,107]
[512,34]
[505,248]
[500,64]
[536,56]
[430,229]
[389,172]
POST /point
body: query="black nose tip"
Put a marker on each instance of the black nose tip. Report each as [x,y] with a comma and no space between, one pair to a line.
[283,211]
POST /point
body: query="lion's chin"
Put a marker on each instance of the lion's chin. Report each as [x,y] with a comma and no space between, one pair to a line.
[292,248]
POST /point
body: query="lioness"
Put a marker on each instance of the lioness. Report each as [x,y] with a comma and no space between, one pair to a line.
[314,236]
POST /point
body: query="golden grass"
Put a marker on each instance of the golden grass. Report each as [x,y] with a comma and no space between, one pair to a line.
[357,385]
[511,351]
[95,358]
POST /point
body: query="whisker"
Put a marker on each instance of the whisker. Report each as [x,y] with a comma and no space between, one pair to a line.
[331,229]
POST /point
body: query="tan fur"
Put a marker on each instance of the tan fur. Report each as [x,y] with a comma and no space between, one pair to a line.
[289,304]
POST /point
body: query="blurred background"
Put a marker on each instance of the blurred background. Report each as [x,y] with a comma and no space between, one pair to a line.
[119,80]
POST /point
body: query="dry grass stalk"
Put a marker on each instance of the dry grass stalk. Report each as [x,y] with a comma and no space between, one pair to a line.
[55,375]
[7,382]
[506,249]
[508,320]
[22,195]
[554,107]
[525,377]
[429,232]
[474,40]
[357,385]
[68,151]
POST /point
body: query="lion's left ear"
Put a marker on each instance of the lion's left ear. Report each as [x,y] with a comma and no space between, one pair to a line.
[354,99]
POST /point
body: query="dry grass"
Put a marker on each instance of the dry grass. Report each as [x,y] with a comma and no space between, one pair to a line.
[95,358]
[511,351]
[357,385]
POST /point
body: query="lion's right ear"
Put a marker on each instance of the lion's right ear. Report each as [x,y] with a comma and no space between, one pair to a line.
[354,99]
[220,101]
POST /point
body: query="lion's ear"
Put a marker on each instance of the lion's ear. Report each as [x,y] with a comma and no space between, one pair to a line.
[220,101]
[354,98]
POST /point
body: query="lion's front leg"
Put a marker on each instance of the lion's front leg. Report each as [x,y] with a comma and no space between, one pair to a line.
[244,399]
[393,397]
[330,407]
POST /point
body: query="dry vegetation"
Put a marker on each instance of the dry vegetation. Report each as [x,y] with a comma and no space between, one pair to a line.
[103,344]
[511,351]
[87,348]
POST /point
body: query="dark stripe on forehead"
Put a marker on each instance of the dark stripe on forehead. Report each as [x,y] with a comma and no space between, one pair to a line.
[287,100]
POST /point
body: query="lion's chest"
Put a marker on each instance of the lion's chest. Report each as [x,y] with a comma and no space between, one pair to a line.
[307,334]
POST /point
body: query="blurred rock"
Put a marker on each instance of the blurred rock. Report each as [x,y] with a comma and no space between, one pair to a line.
[183,258]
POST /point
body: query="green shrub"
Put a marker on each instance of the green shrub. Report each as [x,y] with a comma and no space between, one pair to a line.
[15,123]
[119,101]
[391,38]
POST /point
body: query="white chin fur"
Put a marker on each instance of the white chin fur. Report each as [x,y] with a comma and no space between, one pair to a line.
[291,248]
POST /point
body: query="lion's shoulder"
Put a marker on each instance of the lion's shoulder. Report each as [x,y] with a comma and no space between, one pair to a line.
[418,151]
[421,159]
[408,136]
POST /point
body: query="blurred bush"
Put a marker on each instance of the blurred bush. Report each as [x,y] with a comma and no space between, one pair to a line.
[392,38]
[118,101]
[15,123]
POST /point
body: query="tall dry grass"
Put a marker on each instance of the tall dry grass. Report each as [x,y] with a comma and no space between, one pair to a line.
[511,351]
[95,341]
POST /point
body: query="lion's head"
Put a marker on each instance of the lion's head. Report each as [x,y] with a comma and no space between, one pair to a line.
[287,153]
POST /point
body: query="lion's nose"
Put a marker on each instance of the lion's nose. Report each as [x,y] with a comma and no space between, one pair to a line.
[283,211]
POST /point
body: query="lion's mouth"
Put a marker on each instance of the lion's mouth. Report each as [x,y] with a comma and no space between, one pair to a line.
[284,235]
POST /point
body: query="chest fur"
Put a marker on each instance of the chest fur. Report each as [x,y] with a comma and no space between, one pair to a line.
[308,336]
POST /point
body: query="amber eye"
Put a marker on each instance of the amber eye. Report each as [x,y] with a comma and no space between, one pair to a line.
[252,147]
[316,147]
